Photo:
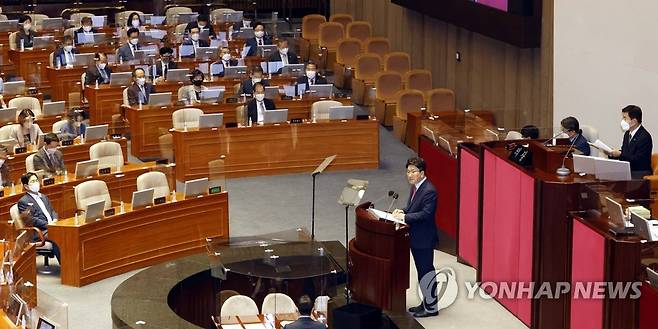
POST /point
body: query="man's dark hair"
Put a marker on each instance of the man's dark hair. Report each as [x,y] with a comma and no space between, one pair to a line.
[50,137]
[255,25]
[131,31]
[571,124]
[202,18]
[22,116]
[634,112]
[256,69]
[25,179]
[24,19]
[67,37]
[530,131]
[305,306]
[418,162]
[86,19]
[137,69]
[166,50]
[258,84]
[195,73]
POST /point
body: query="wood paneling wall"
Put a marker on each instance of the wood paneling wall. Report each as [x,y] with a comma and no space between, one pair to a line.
[514,83]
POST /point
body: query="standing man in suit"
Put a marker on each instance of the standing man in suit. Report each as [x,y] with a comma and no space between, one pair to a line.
[419,215]
[38,208]
[201,23]
[311,77]
[284,55]
[5,179]
[164,64]
[259,104]
[49,158]
[99,72]
[637,144]
[86,29]
[571,127]
[305,307]
[195,41]
[65,55]
[247,86]
[140,90]
[259,39]
[226,60]
[128,50]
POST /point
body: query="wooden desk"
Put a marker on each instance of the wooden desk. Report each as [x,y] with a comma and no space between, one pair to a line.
[451,118]
[134,239]
[25,268]
[277,149]
[31,65]
[146,124]
[72,155]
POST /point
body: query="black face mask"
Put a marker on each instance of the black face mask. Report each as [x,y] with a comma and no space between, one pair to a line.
[197,83]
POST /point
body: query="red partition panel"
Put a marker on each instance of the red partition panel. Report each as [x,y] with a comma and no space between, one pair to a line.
[469,197]
[587,265]
[648,306]
[507,231]
[442,172]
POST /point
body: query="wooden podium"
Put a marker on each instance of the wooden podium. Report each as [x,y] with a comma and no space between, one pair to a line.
[379,261]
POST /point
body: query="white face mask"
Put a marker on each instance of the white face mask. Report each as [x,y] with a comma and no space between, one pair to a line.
[226,57]
[68,48]
[256,80]
[310,74]
[34,187]
[134,41]
[102,66]
[259,34]
[625,126]
[86,28]
[141,81]
[195,36]
[246,23]
[283,51]
[51,151]
[259,97]
[27,27]
[135,23]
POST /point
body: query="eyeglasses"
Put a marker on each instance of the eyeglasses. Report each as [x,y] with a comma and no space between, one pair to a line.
[412,171]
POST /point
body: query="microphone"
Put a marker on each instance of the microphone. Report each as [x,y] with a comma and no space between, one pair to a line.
[388,195]
[564,171]
[550,139]
[395,198]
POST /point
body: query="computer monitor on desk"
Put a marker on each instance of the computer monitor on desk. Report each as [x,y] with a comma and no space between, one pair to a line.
[205,53]
[212,120]
[95,133]
[584,164]
[142,199]
[178,75]
[8,25]
[295,70]
[160,99]
[615,170]
[324,90]
[275,116]
[13,87]
[94,211]
[91,38]
[8,115]
[52,23]
[86,168]
[83,59]
[196,187]
[235,71]
[212,95]
[54,108]
[341,112]
[98,21]
[120,78]
[46,41]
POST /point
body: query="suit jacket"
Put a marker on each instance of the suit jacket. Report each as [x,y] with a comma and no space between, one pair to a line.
[252,108]
[59,54]
[194,24]
[318,81]
[247,87]
[158,68]
[43,162]
[125,53]
[254,44]
[237,26]
[581,144]
[305,323]
[93,75]
[39,219]
[419,215]
[276,57]
[80,30]
[638,150]
[17,134]
[232,62]
[134,93]
[26,37]
[4,172]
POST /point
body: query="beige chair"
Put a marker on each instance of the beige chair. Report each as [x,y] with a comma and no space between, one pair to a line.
[180,29]
[70,32]
[91,191]
[166,143]
[108,154]
[37,20]
[184,92]
[310,34]
[591,134]
[51,58]
[378,45]
[220,12]
[124,96]
[346,54]
[76,18]
[12,41]
[397,61]
[513,135]
[5,131]
[22,103]
[418,79]
[359,30]
[188,117]
[343,19]
[365,72]
[278,303]
[3,17]
[330,35]
[29,163]
[156,180]
[121,17]
[222,296]
[407,101]
[388,84]
[239,306]
[43,248]
[172,14]
[440,99]
[57,126]
[320,109]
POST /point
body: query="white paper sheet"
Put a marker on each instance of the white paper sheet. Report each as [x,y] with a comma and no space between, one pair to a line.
[601,146]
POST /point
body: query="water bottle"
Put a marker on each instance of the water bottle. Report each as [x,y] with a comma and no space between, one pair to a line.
[122,208]
[22,45]
[58,63]
[173,196]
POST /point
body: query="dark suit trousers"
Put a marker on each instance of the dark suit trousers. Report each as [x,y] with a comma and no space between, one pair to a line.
[424,259]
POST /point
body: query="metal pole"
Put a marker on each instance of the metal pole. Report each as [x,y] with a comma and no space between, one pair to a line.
[347,256]
[313,211]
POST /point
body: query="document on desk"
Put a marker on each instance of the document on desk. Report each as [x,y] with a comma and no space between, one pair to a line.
[254,326]
[601,146]
[232,326]
[385,215]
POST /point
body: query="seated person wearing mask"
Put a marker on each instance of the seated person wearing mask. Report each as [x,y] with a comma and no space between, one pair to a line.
[5,179]
[127,51]
[49,158]
[195,41]
[530,132]
[246,87]
[65,55]
[305,307]
[74,126]
[637,144]
[193,92]
[25,34]
[311,77]
[226,60]
[201,23]
[164,64]
[26,132]
[98,73]
[38,207]
[140,91]
[86,28]
[134,21]
[571,128]
[259,104]
[284,55]
[259,39]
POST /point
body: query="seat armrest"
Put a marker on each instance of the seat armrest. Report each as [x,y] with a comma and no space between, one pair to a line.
[42,239]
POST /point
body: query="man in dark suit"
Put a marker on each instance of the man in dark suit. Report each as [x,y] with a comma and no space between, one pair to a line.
[165,63]
[637,144]
[311,77]
[201,23]
[226,60]
[284,55]
[38,207]
[140,90]
[259,104]
[419,215]
[49,158]
[65,55]
[245,22]
[86,28]
[305,306]
[98,73]
[5,179]
[195,41]
[259,39]
[571,127]
[127,51]
[247,86]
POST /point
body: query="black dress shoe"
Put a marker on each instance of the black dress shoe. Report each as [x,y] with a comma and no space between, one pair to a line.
[416,308]
[424,314]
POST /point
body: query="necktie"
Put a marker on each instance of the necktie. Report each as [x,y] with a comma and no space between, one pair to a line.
[164,70]
[413,193]
[261,110]
[226,63]
[260,42]
[103,74]
[284,59]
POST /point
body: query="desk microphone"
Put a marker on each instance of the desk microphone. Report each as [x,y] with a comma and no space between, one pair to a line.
[550,139]
[388,195]
[564,171]
[395,198]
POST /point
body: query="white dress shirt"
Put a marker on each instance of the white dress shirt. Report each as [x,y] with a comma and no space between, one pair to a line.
[260,106]
[37,198]
[284,58]
[632,132]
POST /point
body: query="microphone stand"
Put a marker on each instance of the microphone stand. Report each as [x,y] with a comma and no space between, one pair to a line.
[564,171]
[326,162]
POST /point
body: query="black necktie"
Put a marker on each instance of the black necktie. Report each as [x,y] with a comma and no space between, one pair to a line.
[260,42]
[164,70]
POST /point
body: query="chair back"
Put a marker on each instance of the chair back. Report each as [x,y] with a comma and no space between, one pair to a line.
[397,61]
[409,100]
[311,26]
[278,303]
[172,13]
[591,134]
[347,51]
[57,126]
[29,163]
[25,102]
[320,109]
[108,154]
[367,66]
[378,45]
[12,40]
[513,135]
[186,117]
[5,131]
[15,215]
[419,80]
[124,95]
[156,180]
[388,84]
[180,29]
[239,306]
[343,19]
[37,19]
[91,191]
[330,35]
[76,18]
[166,143]
[359,30]
[184,92]
[70,32]
[440,99]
